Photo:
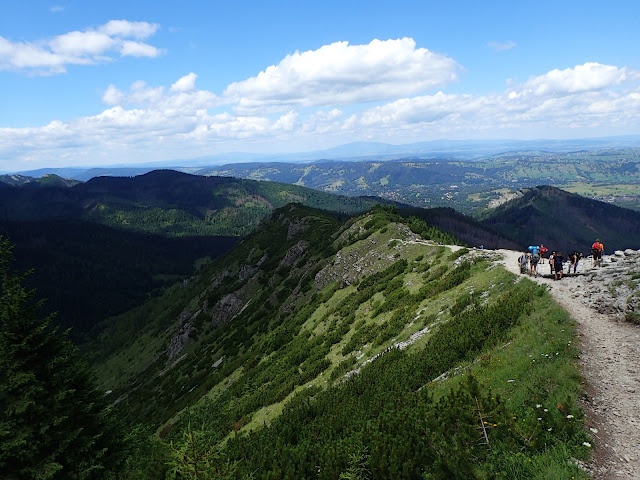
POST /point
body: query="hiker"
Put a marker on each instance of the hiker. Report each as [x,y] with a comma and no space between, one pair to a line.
[553,254]
[597,249]
[574,258]
[523,261]
[557,265]
[543,252]
[535,258]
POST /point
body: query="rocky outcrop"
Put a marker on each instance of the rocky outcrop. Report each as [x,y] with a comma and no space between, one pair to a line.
[246,271]
[184,315]
[179,340]
[226,308]
[297,227]
[220,278]
[614,288]
[294,254]
[370,256]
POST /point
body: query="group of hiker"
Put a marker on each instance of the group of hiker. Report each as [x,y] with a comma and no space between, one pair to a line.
[537,254]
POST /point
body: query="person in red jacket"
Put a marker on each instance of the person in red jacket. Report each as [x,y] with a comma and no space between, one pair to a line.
[597,249]
[543,253]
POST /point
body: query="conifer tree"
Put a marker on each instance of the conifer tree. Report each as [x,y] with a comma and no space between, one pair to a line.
[52,419]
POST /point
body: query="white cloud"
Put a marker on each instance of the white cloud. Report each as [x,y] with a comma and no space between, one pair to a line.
[159,122]
[92,46]
[125,29]
[580,97]
[342,74]
[78,44]
[185,84]
[112,96]
[138,49]
[581,78]
[502,46]
[56,9]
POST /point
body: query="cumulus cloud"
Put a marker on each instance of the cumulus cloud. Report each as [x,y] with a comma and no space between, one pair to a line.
[78,44]
[185,84]
[342,74]
[581,78]
[182,98]
[92,46]
[177,120]
[112,96]
[138,49]
[582,96]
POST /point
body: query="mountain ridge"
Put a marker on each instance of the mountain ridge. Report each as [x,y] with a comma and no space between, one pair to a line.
[564,221]
[269,338]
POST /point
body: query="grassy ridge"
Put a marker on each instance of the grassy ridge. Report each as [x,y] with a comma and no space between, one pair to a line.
[309,383]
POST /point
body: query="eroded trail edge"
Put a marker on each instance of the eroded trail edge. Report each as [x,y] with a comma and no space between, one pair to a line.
[609,363]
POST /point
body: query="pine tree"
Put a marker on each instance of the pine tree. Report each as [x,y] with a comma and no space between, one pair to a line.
[53,423]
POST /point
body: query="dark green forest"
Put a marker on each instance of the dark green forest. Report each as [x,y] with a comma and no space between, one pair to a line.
[54,424]
[89,272]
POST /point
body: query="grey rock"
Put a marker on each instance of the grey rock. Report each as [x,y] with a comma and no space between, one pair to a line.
[184,315]
[297,227]
[246,271]
[226,308]
[220,278]
[294,254]
[179,340]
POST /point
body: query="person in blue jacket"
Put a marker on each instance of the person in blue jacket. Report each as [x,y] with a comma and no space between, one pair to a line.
[535,258]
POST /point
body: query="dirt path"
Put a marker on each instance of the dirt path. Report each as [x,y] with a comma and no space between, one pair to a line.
[610,364]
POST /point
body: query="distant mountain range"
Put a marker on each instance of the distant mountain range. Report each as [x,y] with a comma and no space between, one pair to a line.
[467,150]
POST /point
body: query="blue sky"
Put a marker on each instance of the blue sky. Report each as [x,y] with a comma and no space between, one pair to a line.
[99,83]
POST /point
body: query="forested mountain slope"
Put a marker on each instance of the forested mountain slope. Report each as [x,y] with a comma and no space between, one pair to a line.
[89,272]
[102,247]
[168,203]
[565,221]
[317,348]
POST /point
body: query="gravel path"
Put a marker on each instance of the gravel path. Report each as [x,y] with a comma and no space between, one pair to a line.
[609,363]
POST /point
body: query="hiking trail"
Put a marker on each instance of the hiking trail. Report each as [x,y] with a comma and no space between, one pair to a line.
[609,363]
